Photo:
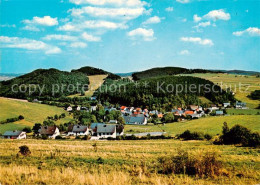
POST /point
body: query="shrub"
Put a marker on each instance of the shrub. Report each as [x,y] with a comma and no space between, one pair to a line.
[59,137]
[187,135]
[208,137]
[20,117]
[27,129]
[205,165]
[44,137]
[24,150]
[238,135]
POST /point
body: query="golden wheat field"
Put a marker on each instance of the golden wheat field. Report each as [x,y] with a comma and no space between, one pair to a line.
[119,162]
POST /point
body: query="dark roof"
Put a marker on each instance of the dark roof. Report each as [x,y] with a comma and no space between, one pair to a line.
[79,128]
[94,125]
[133,119]
[103,128]
[12,133]
[47,130]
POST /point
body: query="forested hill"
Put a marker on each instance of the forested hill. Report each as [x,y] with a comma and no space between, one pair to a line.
[49,80]
[167,92]
[96,71]
[165,71]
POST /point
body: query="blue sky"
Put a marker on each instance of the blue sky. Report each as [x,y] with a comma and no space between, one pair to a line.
[129,35]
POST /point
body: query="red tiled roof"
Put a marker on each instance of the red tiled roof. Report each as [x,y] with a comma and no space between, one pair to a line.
[189,112]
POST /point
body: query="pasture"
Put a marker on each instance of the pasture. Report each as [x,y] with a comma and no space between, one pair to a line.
[241,85]
[118,162]
[32,112]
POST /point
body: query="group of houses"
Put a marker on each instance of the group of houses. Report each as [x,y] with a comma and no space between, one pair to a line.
[96,131]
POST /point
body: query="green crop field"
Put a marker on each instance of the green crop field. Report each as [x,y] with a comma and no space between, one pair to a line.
[32,112]
[120,162]
[241,85]
[210,125]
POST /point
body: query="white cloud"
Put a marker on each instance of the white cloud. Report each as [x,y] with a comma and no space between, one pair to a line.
[169,9]
[117,13]
[183,1]
[31,28]
[153,20]
[202,24]
[217,15]
[197,40]
[44,21]
[252,31]
[184,52]
[78,45]
[8,26]
[28,44]
[60,37]
[92,24]
[141,33]
[128,3]
[90,38]
[196,18]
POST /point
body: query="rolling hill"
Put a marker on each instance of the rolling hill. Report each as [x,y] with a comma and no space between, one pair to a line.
[32,112]
[45,82]
[96,71]
[164,71]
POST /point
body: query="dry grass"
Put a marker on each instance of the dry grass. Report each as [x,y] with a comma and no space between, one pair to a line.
[122,162]
[95,81]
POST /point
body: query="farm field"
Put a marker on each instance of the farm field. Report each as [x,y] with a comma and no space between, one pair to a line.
[209,125]
[233,81]
[32,112]
[118,162]
[95,81]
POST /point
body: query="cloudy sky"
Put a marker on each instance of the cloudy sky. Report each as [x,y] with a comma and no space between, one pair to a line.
[129,35]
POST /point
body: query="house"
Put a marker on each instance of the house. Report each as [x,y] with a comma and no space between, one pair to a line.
[78,108]
[240,105]
[213,107]
[106,131]
[113,121]
[69,108]
[193,107]
[93,128]
[135,120]
[153,112]
[219,113]
[79,130]
[226,105]
[93,108]
[189,112]
[50,131]
[14,135]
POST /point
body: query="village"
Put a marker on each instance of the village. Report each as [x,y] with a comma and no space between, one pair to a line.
[112,129]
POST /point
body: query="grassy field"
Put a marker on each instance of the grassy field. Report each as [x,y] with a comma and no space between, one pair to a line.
[210,125]
[32,112]
[118,162]
[247,84]
[95,81]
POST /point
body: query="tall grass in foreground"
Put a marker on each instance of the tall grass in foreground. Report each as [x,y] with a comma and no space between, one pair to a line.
[127,162]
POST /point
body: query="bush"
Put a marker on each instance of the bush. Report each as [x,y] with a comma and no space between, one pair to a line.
[205,165]
[59,137]
[208,137]
[44,137]
[24,150]
[20,117]
[27,129]
[187,135]
[238,135]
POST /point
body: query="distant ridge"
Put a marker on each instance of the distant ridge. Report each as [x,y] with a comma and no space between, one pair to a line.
[88,70]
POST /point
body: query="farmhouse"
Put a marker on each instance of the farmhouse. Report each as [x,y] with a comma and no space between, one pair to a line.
[69,108]
[219,113]
[240,105]
[93,128]
[135,120]
[50,131]
[79,130]
[15,135]
[106,131]
[226,105]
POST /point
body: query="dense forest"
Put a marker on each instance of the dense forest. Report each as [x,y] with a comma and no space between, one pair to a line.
[96,71]
[167,92]
[165,71]
[44,82]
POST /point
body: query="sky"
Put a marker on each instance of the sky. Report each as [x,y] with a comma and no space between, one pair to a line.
[129,35]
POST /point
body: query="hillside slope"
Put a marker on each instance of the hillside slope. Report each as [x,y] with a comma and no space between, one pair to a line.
[164,71]
[52,82]
[96,71]
[32,112]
